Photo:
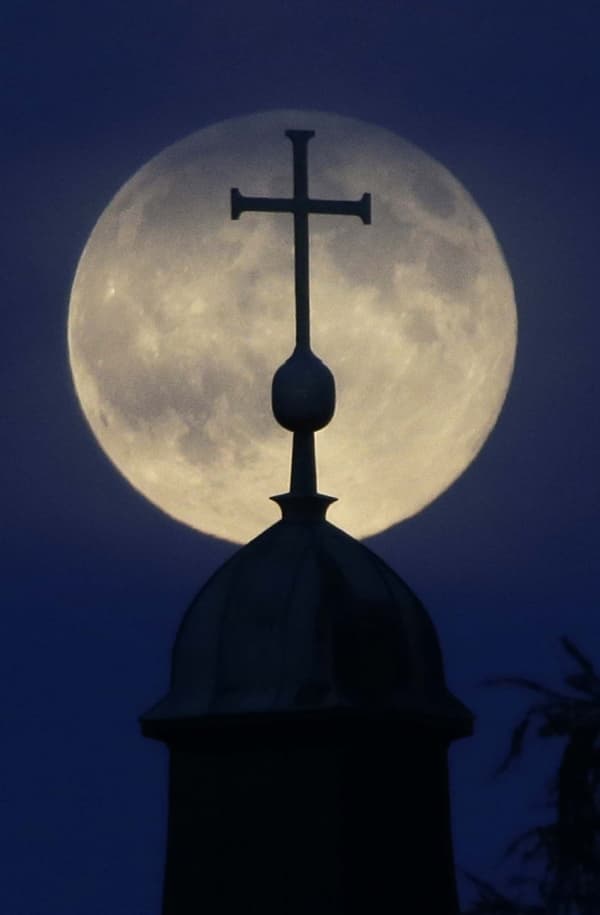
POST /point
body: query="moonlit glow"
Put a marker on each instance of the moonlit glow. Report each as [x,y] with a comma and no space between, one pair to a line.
[179,317]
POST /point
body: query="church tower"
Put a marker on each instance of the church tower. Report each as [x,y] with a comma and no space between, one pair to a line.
[308,719]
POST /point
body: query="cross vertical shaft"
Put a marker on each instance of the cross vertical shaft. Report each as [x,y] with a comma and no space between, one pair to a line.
[300,140]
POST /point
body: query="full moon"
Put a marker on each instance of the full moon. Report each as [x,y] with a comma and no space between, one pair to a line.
[179,317]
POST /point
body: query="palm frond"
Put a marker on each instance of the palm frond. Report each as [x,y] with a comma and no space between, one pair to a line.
[492,901]
[525,683]
[567,849]
[516,744]
[543,845]
[587,680]
[575,652]
[584,683]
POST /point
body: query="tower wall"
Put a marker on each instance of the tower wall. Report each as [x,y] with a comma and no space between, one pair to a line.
[321,817]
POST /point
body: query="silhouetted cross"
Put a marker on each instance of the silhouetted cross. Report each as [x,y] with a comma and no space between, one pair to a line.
[300,205]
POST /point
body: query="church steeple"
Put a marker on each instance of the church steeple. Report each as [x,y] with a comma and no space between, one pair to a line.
[308,717]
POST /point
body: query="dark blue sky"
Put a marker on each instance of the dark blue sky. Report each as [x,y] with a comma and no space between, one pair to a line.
[95,580]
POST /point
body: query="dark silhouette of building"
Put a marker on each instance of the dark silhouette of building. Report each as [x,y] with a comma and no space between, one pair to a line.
[308,718]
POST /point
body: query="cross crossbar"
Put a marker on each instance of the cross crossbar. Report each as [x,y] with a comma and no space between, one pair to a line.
[300,205]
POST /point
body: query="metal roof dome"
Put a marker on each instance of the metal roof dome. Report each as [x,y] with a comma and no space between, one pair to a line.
[306,619]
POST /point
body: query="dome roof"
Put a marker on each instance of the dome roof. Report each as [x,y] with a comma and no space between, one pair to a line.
[306,619]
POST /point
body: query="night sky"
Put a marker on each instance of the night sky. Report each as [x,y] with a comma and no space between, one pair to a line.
[95,579]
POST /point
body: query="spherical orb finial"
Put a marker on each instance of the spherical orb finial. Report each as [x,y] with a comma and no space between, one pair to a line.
[303,392]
